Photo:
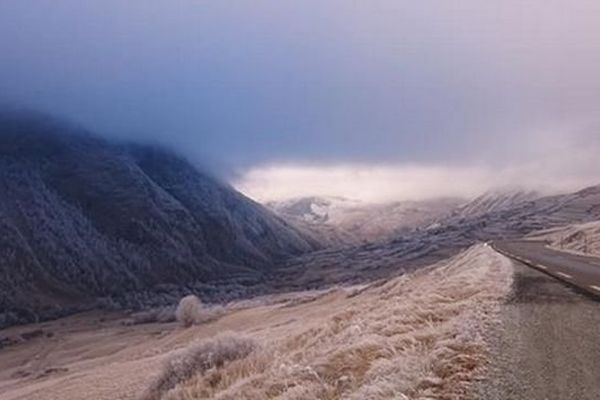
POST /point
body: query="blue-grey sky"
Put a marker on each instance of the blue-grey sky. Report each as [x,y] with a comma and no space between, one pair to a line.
[252,85]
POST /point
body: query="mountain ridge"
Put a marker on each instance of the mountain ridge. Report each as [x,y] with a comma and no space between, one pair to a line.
[83,218]
[357,222]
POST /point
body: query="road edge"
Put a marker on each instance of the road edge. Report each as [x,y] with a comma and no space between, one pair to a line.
[584,290]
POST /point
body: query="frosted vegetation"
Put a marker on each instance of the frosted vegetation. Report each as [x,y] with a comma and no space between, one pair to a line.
[345,221]
[199,358]
[413,337]
[578,238]
[86,223]
[493,216]
[191,311]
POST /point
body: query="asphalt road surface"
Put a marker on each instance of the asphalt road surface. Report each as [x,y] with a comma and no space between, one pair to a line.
[545,343]
[574,269]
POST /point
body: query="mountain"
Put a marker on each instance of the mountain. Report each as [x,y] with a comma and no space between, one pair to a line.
[495,200]
[83,219]
[354,221]
[444,238]
[314,208]
[530,213]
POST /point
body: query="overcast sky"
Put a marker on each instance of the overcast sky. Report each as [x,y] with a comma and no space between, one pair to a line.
[371,99]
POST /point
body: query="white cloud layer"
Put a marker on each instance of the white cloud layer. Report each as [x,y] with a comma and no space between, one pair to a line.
[373,183]
[361,182]
[558,161]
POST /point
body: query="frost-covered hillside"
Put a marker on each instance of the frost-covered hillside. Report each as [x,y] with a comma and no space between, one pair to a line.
[578,238]
[355,221]
[448,236]
[318,209]
[83,219]
[495,200]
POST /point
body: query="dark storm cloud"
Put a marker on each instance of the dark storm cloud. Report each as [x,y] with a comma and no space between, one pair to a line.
[263,82]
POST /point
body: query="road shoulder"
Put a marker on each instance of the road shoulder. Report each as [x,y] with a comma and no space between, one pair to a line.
[544,344]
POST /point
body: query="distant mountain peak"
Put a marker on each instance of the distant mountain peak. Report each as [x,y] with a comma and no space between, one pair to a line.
[359,221]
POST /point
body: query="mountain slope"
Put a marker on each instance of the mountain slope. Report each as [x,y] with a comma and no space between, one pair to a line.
[495,200]
[578,238]
[317,209]
[82,218]
[448,236]
[355,221]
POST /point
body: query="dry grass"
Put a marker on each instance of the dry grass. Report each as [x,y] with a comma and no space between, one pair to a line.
[200,358]
[415,337]
[578,238]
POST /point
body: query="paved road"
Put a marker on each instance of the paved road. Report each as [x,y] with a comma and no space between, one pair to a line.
[578,270]
[545,343]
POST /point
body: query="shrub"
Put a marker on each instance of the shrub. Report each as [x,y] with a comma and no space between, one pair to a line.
[188,308]
[191,311]
[197,359]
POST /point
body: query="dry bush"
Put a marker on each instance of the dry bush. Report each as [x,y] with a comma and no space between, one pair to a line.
[187,309]
[197,359]
[191,311]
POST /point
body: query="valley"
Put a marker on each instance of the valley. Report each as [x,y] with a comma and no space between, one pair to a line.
[322,298]
[420,332]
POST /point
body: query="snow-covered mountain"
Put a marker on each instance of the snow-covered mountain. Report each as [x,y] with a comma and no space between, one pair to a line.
[82,218]
[495,200]
[446,237]
[315,209]
[355,221]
